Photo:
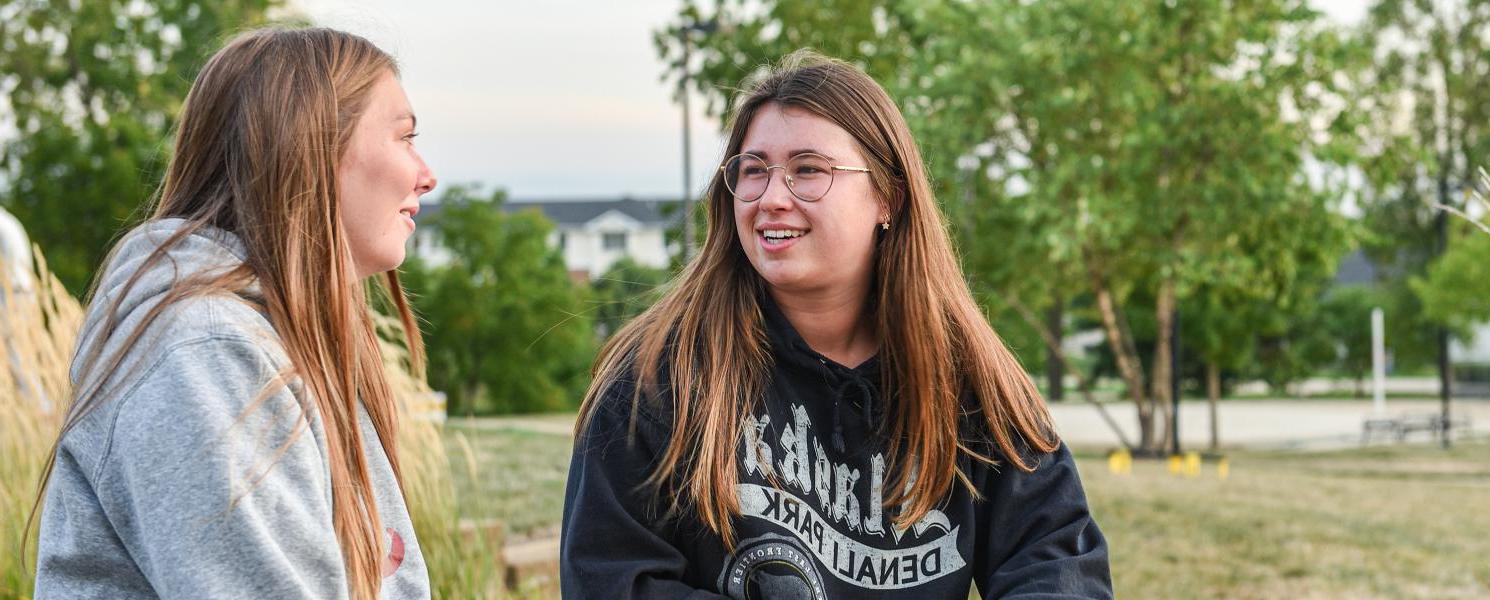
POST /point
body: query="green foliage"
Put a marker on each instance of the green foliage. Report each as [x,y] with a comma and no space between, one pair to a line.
[1294,347]
[623,292]
[93,89]
[1108,147]
[1345,315]
[506,329]
[1456,290]
[1431,111]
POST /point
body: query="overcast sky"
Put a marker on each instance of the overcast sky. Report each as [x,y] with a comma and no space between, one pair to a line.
[561,98]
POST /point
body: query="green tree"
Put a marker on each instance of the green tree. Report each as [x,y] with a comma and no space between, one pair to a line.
[505,328]
[1346,318]
[1433,111]
[1456,289]
[623,292]
[1220,326]
[1125,150]
[92,90]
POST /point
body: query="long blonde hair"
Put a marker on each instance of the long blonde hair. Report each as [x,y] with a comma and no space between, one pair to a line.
[708,330]
[257,147]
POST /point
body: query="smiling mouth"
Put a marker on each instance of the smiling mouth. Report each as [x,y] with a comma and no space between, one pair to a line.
[782,234]
[408,216]
[779,238]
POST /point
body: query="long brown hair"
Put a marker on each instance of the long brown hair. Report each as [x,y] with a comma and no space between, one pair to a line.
[922,309]
[257,147]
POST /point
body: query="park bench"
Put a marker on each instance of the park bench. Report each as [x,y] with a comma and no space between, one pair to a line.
[1387,427]
[1399,427]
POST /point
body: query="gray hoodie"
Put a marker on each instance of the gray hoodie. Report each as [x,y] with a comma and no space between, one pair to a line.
[180,485]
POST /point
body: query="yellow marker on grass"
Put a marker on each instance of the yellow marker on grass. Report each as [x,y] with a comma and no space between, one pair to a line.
[1120,461]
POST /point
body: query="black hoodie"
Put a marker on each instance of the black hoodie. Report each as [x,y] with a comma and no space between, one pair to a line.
[822,534]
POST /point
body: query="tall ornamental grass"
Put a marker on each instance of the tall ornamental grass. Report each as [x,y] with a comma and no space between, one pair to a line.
[39,322]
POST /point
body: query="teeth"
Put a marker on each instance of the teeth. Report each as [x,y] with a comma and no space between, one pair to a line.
[781,234]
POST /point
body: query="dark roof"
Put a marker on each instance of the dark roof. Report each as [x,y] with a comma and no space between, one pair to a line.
[1356,269]
[581,211]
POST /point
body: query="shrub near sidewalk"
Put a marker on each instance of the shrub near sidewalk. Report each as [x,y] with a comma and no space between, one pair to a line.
[38,329]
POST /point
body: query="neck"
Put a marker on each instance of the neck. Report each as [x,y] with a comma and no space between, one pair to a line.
[834,324]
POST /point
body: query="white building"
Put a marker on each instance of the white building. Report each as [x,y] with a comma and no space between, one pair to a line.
[591,234]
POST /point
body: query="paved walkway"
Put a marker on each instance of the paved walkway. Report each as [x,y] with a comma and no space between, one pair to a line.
[1282,423]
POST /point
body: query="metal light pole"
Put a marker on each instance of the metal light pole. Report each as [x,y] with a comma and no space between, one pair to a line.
[1378,363]
[685,34]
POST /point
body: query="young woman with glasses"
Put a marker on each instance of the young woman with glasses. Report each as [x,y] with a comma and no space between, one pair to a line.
[232,432]
[817,408]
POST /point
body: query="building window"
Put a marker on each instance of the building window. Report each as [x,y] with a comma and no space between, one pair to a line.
[613,241]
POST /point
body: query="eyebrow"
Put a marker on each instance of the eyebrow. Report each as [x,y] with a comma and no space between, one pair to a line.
[410,116]
[792,153]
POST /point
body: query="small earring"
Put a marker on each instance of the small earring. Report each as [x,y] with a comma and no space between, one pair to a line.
[885,225]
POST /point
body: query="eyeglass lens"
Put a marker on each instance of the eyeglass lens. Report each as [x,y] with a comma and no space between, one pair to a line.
[807,176]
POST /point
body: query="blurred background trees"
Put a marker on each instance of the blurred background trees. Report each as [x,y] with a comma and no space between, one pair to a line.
[91,91]
[1136,158]
[1109,167]
[506,330]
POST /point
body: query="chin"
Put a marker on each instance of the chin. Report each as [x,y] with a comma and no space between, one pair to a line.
[381,264]
[786,279]
[394,261]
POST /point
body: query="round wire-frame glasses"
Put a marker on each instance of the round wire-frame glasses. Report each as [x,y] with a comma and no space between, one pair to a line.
[808,176]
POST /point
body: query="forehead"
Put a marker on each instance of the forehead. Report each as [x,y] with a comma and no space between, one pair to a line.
[388,97]
[777,133]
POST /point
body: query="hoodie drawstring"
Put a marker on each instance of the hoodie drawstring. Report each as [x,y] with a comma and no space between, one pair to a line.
[866,390]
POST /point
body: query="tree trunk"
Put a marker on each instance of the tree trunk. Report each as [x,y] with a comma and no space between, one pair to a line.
[1126,354]
[1055,372]
[1161,374]
[1212,397]
[1083,384]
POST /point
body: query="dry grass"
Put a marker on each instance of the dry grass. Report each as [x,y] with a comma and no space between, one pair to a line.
[1388,522]
[1380,522]
[460,565]
[37,332]
[518,479]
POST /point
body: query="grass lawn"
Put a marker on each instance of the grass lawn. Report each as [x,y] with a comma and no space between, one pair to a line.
[1398,522]
[511,475]
[1384,522]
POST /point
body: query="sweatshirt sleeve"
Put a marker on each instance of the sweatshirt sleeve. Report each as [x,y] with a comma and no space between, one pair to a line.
[612,545]
[1041,541]
[214,491]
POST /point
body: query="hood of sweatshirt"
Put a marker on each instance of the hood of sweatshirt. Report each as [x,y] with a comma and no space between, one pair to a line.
[205,252]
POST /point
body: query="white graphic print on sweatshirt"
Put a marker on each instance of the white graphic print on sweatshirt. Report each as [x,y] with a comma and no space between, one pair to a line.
[820,508]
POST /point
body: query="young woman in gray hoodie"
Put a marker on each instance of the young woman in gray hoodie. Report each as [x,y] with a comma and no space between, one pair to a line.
[231,433]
